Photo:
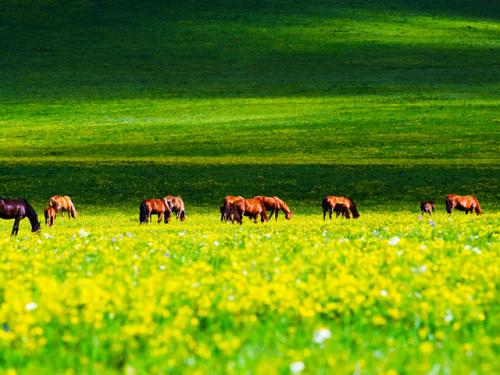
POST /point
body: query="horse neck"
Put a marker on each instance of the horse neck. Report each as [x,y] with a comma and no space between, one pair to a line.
[284,207]
[31,215]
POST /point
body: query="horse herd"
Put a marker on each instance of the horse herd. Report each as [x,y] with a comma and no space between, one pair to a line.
[233,209]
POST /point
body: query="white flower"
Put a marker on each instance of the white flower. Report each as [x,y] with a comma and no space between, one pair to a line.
[216,243]
[394,241]
[46,235]
[321,335]
[31,306]
[449,316]
[476,250]
[384,293]
[297,367]
[83,233]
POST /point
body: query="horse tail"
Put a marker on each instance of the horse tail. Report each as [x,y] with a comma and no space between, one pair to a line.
[448,205]
[143,213]
[354,210]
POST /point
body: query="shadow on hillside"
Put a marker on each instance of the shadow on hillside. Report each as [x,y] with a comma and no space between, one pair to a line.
[231,49]
[126,184]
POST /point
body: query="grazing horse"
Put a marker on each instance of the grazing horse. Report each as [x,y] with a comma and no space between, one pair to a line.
[226,209]
[177,205]
[427,207]
[160,207]
[63,203]
[275,204]
[467,203]
[331,202]
[251,208]
[18,209]
[50,215]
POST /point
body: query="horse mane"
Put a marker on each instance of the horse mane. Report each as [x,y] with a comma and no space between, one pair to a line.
[354,210]
[143,212]
[30,213]
[283,205]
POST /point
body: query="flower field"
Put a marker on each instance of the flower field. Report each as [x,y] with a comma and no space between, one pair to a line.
[387,293]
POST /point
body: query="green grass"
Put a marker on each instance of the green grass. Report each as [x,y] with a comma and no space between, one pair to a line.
[387,102]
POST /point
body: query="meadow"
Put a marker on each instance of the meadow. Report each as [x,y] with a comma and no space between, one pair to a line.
[389,103]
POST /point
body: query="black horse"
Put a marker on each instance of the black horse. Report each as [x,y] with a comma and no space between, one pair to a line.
[18,209]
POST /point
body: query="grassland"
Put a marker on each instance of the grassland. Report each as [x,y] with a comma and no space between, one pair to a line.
[386,102]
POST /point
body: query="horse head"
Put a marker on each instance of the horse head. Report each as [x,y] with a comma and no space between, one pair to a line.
[36,228]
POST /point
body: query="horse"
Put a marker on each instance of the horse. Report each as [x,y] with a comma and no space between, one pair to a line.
[253,208]
[177,205]
[226,210]
[18,209]
[50,215]
[427,207]
[275,204]
[63,203]
[331,201]
[467,203]
[160,207]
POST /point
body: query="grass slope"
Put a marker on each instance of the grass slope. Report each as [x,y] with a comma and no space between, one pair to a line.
[389,102]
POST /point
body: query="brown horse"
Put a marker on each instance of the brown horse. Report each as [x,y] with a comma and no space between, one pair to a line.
[275,204]
[160,207]
[177,205]
[253,208]
[427,207]
[50,215]
[467,203]
[226,209]
[63,203]
[330,202]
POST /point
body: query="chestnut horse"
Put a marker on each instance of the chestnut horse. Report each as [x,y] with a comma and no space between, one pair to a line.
[177,205]
[160,207]
[275,204]
[331,202]
[18,209]
[63,203]
[253,208]
[50,215]
[427,207]
[467,203]
[226,209]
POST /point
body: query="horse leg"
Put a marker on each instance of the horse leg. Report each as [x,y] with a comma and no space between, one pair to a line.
[275,215]
[15,227]
[160,217]
[324,214]
[330,212]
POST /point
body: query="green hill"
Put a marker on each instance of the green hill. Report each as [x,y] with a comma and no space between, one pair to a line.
[387,102]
